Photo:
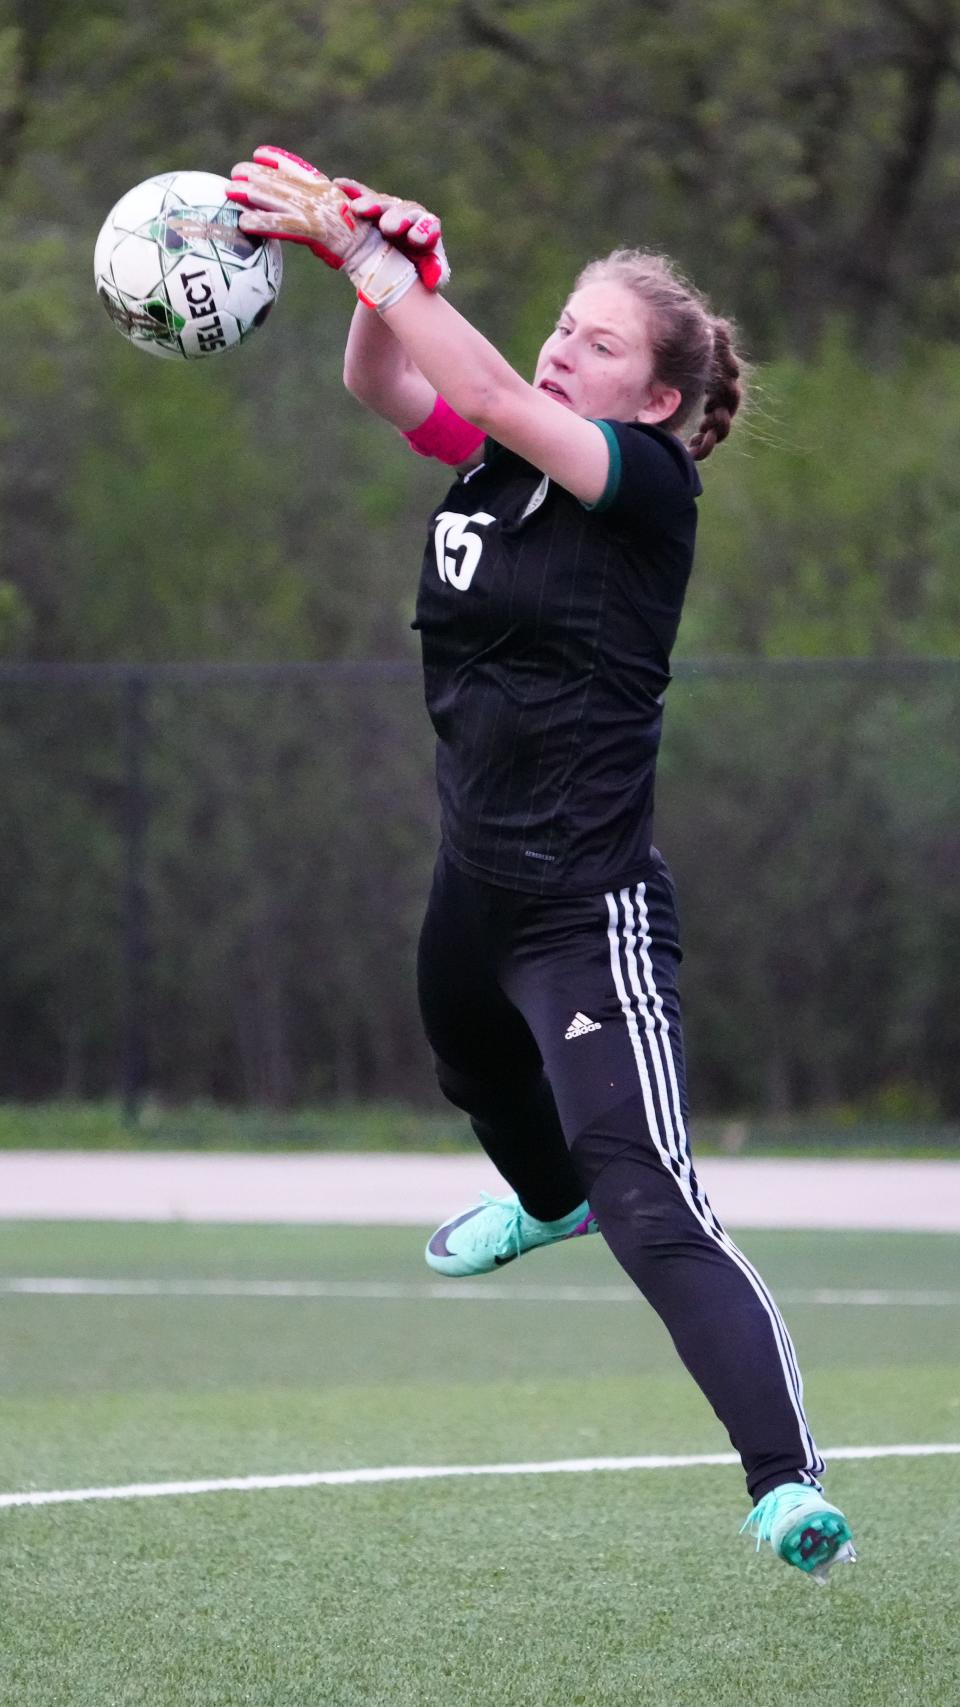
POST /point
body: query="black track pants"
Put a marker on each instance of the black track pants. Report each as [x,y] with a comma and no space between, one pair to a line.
[555,1024]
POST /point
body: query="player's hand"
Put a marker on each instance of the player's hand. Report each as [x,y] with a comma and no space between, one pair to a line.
[407,225]
[285,197]
[302,203]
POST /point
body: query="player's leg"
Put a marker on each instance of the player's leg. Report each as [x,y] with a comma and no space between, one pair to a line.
[488,1064]
[620,1090]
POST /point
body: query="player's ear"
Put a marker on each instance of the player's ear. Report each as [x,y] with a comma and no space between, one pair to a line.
[660,404]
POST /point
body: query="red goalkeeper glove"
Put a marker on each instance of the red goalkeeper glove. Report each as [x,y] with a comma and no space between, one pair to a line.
[286,197]
[405,224]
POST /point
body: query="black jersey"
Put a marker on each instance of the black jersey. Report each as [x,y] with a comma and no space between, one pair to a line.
[546,627]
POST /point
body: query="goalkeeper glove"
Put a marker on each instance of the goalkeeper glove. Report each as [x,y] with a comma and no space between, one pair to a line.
[407,225]
[286,197]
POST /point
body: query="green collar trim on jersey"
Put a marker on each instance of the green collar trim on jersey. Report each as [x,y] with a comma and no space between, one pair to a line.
[613,473]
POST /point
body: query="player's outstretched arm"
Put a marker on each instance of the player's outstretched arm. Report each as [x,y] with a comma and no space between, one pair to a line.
[385,245]
[466,369]
[286,197]
[378,372]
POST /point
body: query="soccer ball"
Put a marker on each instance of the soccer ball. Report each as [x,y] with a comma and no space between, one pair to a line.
[176,274]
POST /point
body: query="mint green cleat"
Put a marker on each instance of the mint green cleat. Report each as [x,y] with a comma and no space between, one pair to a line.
[496,1231]
[802,1529]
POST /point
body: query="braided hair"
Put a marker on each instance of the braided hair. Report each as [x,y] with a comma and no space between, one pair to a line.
[693,351]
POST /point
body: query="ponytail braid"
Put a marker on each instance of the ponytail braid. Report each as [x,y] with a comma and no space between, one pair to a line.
[723,394]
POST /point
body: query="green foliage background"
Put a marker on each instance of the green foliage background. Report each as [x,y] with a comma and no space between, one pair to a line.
[801,161]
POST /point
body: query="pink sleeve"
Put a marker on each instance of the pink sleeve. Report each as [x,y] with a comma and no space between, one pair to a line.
[445,435]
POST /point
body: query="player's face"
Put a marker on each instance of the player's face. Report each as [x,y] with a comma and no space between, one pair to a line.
[598,360]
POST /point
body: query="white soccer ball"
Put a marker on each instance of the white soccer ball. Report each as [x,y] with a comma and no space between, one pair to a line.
[176,274]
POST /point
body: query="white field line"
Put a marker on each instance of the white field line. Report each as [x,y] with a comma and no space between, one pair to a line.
[435,1472]
[450,1291]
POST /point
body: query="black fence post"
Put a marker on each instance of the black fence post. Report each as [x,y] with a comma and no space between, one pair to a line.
[133,1056]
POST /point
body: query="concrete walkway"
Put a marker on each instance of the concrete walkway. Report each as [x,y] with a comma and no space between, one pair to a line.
[423,1190]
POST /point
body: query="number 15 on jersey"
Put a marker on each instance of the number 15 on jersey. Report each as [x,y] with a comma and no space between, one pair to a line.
[454,534]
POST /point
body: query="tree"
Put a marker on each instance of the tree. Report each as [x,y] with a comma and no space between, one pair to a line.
[800,161]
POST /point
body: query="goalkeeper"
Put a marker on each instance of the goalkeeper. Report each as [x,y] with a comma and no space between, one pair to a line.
[550,596]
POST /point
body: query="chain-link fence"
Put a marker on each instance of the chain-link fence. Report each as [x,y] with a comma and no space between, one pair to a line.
[213,878]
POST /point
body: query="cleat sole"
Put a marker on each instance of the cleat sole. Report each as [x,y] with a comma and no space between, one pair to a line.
[813,1543]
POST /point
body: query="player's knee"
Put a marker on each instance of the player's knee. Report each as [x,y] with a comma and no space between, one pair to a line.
[594,1151]
[641,1223]
[629,1201]
[617,1132]
[632,1189]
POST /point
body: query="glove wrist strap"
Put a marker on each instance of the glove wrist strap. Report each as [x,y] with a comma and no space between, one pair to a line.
[379,273]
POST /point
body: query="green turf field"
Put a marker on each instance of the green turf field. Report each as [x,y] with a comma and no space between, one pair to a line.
[568,1590]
